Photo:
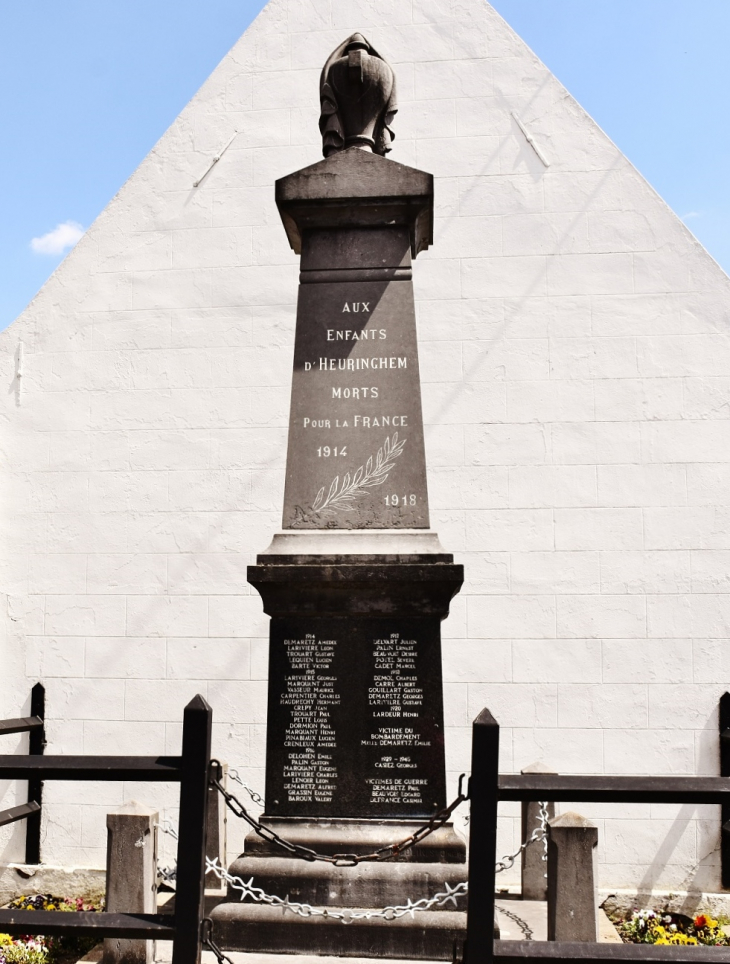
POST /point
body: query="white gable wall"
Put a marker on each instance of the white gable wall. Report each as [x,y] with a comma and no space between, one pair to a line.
[574,350]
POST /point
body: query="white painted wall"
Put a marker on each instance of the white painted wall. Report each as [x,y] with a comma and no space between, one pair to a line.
[575,357]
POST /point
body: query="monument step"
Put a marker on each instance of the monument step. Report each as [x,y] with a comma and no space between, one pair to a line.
[355,836]
[367,885]
[427,936]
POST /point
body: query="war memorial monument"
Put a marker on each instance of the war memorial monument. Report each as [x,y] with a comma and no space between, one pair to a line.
[356,584]
[217,424]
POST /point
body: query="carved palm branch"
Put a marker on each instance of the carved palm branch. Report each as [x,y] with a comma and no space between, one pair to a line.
[342,495]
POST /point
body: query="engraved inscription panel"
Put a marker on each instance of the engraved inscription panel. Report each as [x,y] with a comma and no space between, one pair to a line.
[356,455]
[355,718]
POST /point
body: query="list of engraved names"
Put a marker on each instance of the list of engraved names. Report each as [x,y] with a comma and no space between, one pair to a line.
[310,695]
[395,695]
[358,727]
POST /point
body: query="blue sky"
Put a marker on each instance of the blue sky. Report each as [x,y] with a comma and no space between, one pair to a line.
[87,87]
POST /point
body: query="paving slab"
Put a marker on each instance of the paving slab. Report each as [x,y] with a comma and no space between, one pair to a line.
[607,933]
[522,920]
[526,920]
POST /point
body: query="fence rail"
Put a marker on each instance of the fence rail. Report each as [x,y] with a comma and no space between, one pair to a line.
[192,771]
[153,769]
[21,812]
[515,952]
[159,927]
[609,789]
[487,788]
[24,724]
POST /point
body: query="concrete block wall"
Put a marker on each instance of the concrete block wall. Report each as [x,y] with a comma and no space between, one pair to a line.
[574,343]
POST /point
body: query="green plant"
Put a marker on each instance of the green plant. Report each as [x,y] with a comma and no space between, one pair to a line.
[28,951]
[47,950]
[651,927]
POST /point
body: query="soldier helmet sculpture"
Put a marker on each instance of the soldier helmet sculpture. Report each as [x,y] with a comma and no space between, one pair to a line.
[358,99]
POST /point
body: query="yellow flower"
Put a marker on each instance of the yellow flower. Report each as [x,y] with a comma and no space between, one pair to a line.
[5,939]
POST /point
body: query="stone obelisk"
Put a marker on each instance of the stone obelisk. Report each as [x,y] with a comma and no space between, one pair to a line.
[356,583]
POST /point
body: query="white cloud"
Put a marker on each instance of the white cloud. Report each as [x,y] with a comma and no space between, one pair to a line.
[690,215]
[62,238]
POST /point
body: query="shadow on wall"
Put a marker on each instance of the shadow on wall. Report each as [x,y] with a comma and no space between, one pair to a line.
[699,876]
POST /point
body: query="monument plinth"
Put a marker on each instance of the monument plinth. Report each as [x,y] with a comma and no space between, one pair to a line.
[356,584]
[355,725]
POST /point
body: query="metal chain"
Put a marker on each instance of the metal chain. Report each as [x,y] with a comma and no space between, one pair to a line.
[207,939]
[167,874]
[392,912]
[543,817]
[339,860]
[167,827]
[247,889]
[256,797]
[538,834]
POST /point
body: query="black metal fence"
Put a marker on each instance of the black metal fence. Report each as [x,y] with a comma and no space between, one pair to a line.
[191,771]
[34,725]
[487,788]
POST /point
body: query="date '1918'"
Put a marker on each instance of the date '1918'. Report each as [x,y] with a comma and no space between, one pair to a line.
[400,500]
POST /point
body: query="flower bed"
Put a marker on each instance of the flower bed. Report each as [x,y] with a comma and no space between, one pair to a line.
[47,950]
[664,927]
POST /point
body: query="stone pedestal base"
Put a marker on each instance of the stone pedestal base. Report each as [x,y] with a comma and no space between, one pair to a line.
[354,751]
[420,872]
[429,936]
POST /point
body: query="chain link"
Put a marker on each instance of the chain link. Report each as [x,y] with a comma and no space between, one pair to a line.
[207,939]
[543,818]
[166,826]
[538,834]
[256,797]
[393,912]
[167,874]
[339,860]
[390,913]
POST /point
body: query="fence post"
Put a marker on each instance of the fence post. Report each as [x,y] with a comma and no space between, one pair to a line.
[36,746]
[483,795]
[534,868]
[572,905]
[131,876]
[189,897]
[725,772]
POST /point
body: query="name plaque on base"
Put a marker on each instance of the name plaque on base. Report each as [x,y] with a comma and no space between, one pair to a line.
[355,718]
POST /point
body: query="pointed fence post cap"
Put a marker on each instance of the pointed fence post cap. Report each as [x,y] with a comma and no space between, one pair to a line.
[199,702]
[570,820]
[538,767]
